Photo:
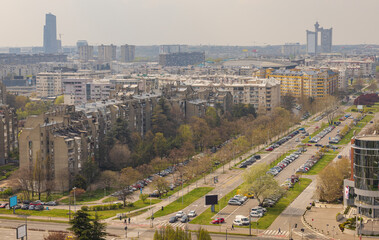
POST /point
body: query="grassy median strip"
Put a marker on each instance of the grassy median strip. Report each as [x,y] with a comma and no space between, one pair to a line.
[206,217]
[323,126]
[361,124]
[322,163]
[273,212]
[187,200]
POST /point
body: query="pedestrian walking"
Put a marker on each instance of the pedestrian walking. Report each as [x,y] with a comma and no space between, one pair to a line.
[232,226]
[279,230]
[120,217]
[129,220]
[125,220]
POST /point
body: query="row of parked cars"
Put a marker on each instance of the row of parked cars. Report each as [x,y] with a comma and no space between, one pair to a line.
[29,205]
[285,162]
[237,200]
[249,161]
[283,140]
[309,163]
[182,217]
[321,134]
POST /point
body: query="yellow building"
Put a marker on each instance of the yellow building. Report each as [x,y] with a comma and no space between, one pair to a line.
[316,83]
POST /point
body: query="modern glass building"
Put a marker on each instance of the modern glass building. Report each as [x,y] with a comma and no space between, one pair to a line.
[365,166]
[50,43]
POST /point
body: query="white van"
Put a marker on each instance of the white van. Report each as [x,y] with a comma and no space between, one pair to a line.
[244,220]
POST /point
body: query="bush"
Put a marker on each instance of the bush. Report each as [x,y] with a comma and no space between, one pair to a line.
[309,207]
[104,207]
[84,208]
[7,192]
[346,210]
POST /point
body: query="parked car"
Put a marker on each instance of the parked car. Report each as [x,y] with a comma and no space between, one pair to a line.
[51,203]
[32,207]
[173,219]
[4,205]
[179,214]
[25,207]
[218,221]
[39,208]
[238,222]
[269,149]
[192,214]
[234,202]
[184,219]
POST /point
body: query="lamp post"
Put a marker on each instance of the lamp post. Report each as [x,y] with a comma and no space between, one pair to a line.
[74,188]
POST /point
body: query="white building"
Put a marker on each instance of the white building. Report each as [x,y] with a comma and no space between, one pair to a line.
[49,84]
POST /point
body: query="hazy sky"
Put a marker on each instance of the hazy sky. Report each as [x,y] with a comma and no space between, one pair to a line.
[219,22]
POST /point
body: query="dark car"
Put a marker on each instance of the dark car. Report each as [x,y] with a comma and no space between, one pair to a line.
[17,206]
[39,208]
[184,219]
[173,219]
[25,207]
[26,202]
[257,157]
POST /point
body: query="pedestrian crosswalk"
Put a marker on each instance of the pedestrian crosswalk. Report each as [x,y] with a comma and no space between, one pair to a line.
[174,225]
[275,233]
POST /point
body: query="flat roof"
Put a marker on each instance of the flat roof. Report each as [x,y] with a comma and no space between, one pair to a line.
[368,138]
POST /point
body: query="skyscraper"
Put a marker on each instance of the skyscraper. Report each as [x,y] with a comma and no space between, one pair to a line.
[326,40]
[50,43]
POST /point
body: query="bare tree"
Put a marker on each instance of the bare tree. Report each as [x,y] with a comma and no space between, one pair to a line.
[108,178]
[120,155]
[161,185]
[128,176]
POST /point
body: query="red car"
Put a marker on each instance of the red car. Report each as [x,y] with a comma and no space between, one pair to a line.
[4,205]
[269,149]
[218,220]
[308,144]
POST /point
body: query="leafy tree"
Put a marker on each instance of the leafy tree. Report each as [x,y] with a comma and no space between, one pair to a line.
[86,228]
[159,164]
[80,182]
[161,185]
[259,183]
[143,197]
[373,86]
[120,131]
[288,101]
[212,117]
[203,234]
[169,233]
[81,225]
[59,100]
[90,170]
[160,145]
[242,110]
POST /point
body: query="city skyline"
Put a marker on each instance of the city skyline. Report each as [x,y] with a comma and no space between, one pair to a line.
[209,23]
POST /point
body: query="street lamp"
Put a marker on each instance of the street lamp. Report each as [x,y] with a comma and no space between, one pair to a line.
[74,188]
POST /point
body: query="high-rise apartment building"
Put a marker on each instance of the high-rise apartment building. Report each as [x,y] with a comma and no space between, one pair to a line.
[311,82]
[291,49]
[85,52]
[50,43]
[127,53]
[326,40]
[107,53]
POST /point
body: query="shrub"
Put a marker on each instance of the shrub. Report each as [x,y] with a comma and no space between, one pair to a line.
[346,210]
[84,208]
[309,207]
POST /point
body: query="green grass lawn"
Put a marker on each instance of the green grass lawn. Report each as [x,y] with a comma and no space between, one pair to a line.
[6,171]
[321,164]
[206,217]
[62,213]
[273,212]
[89,196]
[187,200]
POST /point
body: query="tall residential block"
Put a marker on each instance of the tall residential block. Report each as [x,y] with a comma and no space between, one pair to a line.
[127,53]
[50,43]
[85,52]
[106,53]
